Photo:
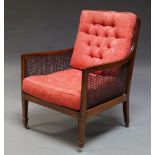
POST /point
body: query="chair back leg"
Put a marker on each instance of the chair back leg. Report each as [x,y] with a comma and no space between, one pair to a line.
[25,111]
[126,112]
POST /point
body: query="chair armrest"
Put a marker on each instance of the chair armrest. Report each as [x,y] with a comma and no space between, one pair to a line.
[47,53]
[41,63]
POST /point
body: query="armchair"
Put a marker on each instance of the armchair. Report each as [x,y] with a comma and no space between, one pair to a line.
[90,78]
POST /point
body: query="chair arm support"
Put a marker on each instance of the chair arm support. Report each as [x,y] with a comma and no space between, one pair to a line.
[106,81]
[40,63]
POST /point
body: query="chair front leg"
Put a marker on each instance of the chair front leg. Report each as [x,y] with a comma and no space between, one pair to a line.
[81,129]
[25,111]
[126,112]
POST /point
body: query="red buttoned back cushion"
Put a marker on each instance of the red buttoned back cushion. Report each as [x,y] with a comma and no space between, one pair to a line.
[103,37]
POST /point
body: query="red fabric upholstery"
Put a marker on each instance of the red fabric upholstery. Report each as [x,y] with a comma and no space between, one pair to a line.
[62,88]
[103,37]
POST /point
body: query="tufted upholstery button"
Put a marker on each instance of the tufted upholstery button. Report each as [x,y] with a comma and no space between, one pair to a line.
[98,45]
[113,24]
[91,55]
[106,34]
[88,43]
[93,22]
[116,35]
[108,45]
[100,56]
[96,33]
[103,23]
[86,31]
[112,30]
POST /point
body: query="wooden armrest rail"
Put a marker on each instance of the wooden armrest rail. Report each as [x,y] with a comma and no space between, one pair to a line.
[47,53]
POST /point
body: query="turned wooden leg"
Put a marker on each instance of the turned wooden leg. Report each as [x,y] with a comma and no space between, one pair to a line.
[25,112]
[81,131]
[126,112]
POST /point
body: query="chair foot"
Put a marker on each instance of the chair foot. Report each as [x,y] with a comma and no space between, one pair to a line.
[25,111]
[80,147]
[126,113]
[80,144]
[81,131]
[25,123]
[126,125]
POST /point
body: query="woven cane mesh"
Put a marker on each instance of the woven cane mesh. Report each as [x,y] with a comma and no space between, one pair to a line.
[103,87]
[41,65]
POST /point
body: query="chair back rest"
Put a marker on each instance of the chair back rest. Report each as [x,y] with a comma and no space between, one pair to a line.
[103,37]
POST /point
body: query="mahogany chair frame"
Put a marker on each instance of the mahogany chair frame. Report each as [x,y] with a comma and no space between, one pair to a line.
[84,113]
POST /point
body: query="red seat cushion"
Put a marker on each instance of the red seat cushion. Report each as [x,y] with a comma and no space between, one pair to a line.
[62,88]
[103,37]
